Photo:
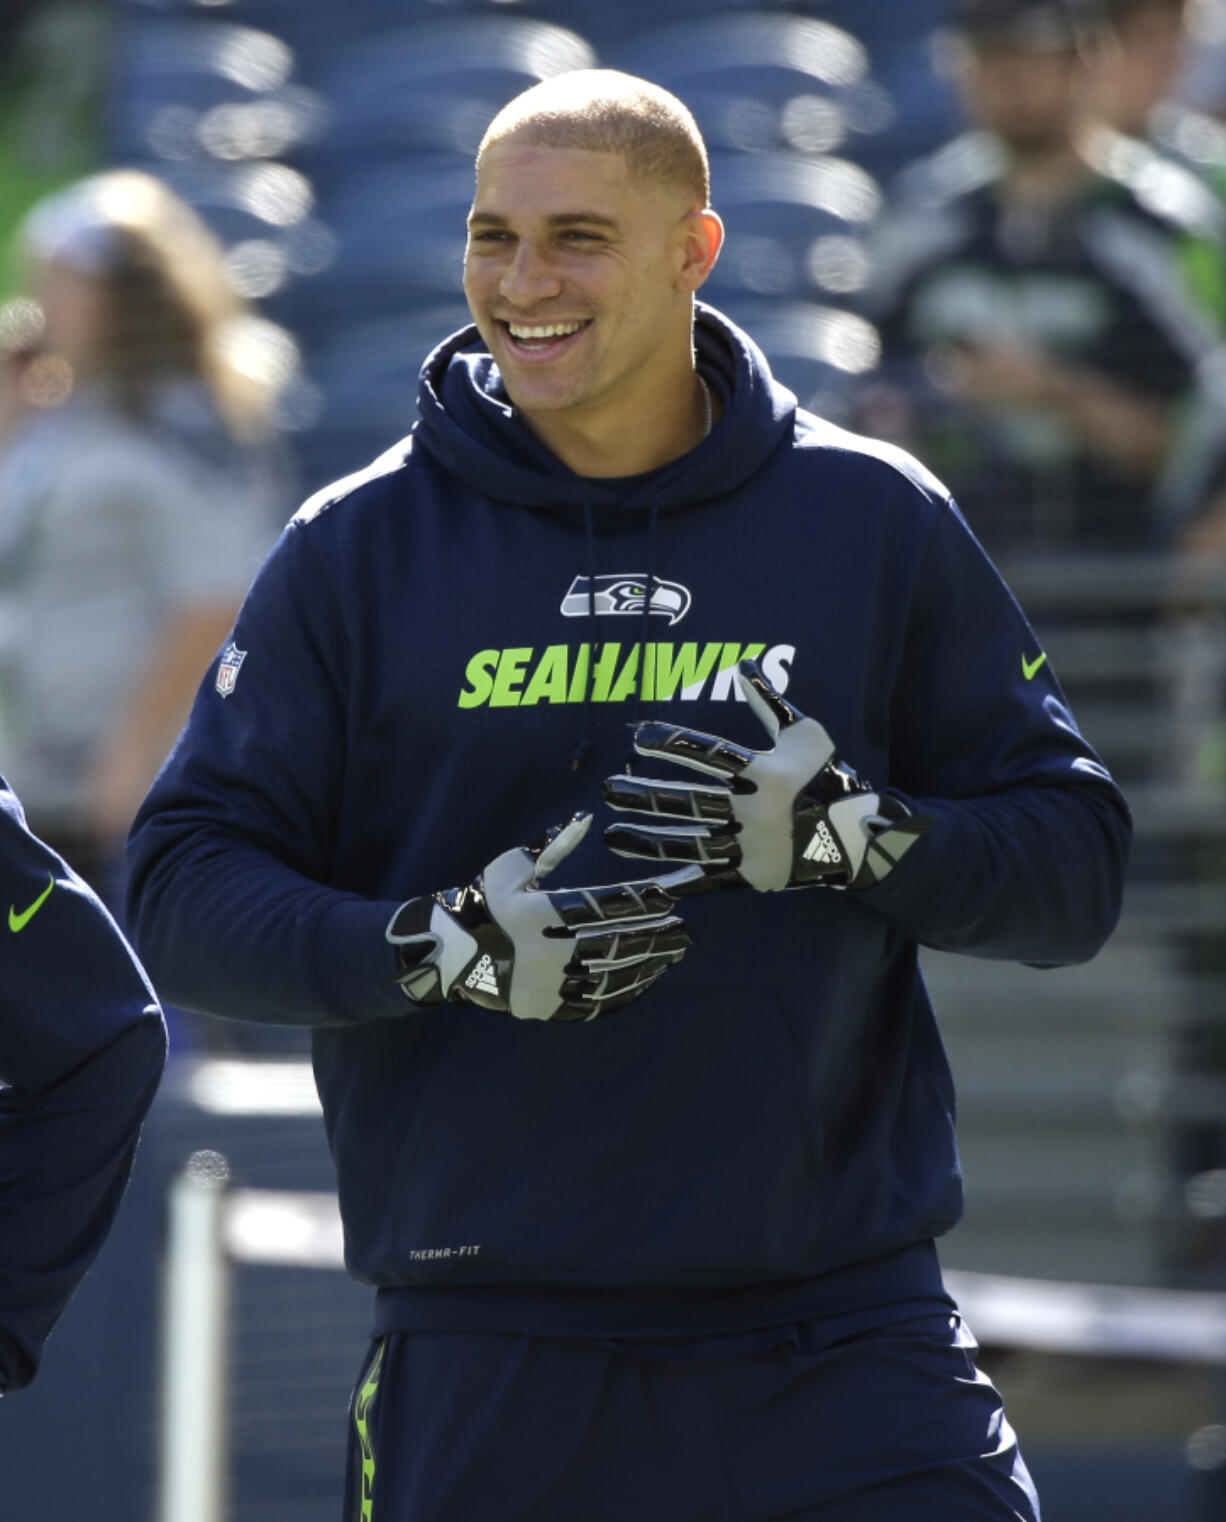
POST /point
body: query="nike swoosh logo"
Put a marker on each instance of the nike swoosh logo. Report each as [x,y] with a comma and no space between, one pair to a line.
[1030,667]
[20,921]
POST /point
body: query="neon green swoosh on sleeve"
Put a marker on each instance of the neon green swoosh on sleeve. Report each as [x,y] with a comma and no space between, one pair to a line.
[1030,667]
[20,921]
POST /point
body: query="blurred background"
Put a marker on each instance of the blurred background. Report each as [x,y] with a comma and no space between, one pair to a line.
[993,231]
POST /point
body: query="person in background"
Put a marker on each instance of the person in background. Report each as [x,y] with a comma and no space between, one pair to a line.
[140,485]
[1043,350]
[1142,125]
[1138,86]
[1139,68]
[82,1046]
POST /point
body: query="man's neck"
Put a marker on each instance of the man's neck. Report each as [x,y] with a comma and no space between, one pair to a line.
[629,439]
[1045,177]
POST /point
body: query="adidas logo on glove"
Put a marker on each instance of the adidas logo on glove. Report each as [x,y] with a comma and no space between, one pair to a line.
[482,976]
[823,847]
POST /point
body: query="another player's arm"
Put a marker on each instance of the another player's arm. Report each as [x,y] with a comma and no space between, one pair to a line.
[82,1046]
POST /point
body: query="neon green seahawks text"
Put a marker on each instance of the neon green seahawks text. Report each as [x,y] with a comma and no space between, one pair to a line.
[522,675]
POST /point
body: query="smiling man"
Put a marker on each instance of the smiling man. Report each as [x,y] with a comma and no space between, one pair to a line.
[653,1239]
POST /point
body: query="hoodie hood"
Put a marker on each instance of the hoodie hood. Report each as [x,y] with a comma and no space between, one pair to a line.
[467,424]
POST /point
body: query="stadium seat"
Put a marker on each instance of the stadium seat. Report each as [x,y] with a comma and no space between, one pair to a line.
[262,214]
[400,232]
[794,225]
[435,86]
[609,26]
[368,379]
[167,75]
[764,80]
[819,352]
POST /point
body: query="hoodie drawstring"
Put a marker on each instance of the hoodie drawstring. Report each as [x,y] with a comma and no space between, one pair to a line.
[640,686]
[584,745]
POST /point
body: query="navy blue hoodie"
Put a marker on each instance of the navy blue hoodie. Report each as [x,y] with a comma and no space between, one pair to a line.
[410,690]
[82,1045]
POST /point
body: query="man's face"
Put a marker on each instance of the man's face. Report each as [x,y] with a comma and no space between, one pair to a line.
[72,306]
[1030,98]
[574,274]
[1141,68]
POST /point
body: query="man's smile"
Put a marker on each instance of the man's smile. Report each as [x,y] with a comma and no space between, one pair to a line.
[542,337]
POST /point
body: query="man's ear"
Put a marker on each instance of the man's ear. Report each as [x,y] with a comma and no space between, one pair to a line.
[704,237]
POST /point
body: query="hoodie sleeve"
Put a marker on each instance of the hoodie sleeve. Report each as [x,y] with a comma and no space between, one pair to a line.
[231,850]
[82,1046]
[1024,859]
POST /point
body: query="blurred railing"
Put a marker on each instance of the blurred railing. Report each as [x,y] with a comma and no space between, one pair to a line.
[213,1228]
[1092,1101]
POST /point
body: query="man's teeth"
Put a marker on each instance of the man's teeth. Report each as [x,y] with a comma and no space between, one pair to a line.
[550,330]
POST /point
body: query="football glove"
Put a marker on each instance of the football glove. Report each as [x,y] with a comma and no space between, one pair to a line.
[787,817]
[504,943]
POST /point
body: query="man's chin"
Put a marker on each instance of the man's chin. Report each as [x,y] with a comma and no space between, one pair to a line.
[536,392]
[1036,143]
[529,403]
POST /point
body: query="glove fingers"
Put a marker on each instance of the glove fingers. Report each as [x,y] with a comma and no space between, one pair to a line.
[670,800]
[582,1005]
[557,843]
[691,747]
[602,951]
[650,899]
[612,989]
[771,707]
[619,1000]
[647,842]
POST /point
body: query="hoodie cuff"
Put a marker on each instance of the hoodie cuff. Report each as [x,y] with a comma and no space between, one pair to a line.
[904,895]
[355,964]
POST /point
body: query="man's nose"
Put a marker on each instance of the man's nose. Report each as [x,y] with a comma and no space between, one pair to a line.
[528,277]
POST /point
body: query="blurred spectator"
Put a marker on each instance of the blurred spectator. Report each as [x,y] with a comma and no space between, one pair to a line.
[1136,79]
[1043,350]
[1139,67]
[139,488]
[1202,79]
[54,56]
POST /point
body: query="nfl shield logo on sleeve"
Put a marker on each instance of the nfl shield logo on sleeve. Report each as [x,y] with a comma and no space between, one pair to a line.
[232,659]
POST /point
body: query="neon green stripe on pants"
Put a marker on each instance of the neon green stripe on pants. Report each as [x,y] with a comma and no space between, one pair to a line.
[366,1448]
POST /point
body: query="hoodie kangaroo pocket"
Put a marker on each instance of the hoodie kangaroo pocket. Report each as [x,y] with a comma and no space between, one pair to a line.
[675,1137]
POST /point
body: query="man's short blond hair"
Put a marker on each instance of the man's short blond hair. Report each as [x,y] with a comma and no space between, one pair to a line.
[605,111]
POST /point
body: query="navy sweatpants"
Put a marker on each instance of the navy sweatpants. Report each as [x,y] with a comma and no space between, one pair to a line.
[895,1425]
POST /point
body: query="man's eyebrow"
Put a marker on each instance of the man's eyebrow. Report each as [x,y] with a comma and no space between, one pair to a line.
[559,219]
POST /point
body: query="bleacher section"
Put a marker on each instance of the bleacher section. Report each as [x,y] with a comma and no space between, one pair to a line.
[366,119]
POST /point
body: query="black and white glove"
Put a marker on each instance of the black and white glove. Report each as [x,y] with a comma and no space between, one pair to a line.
[504,943]
[783,818]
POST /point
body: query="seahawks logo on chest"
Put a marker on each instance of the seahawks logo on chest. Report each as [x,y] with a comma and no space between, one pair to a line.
[625,594]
